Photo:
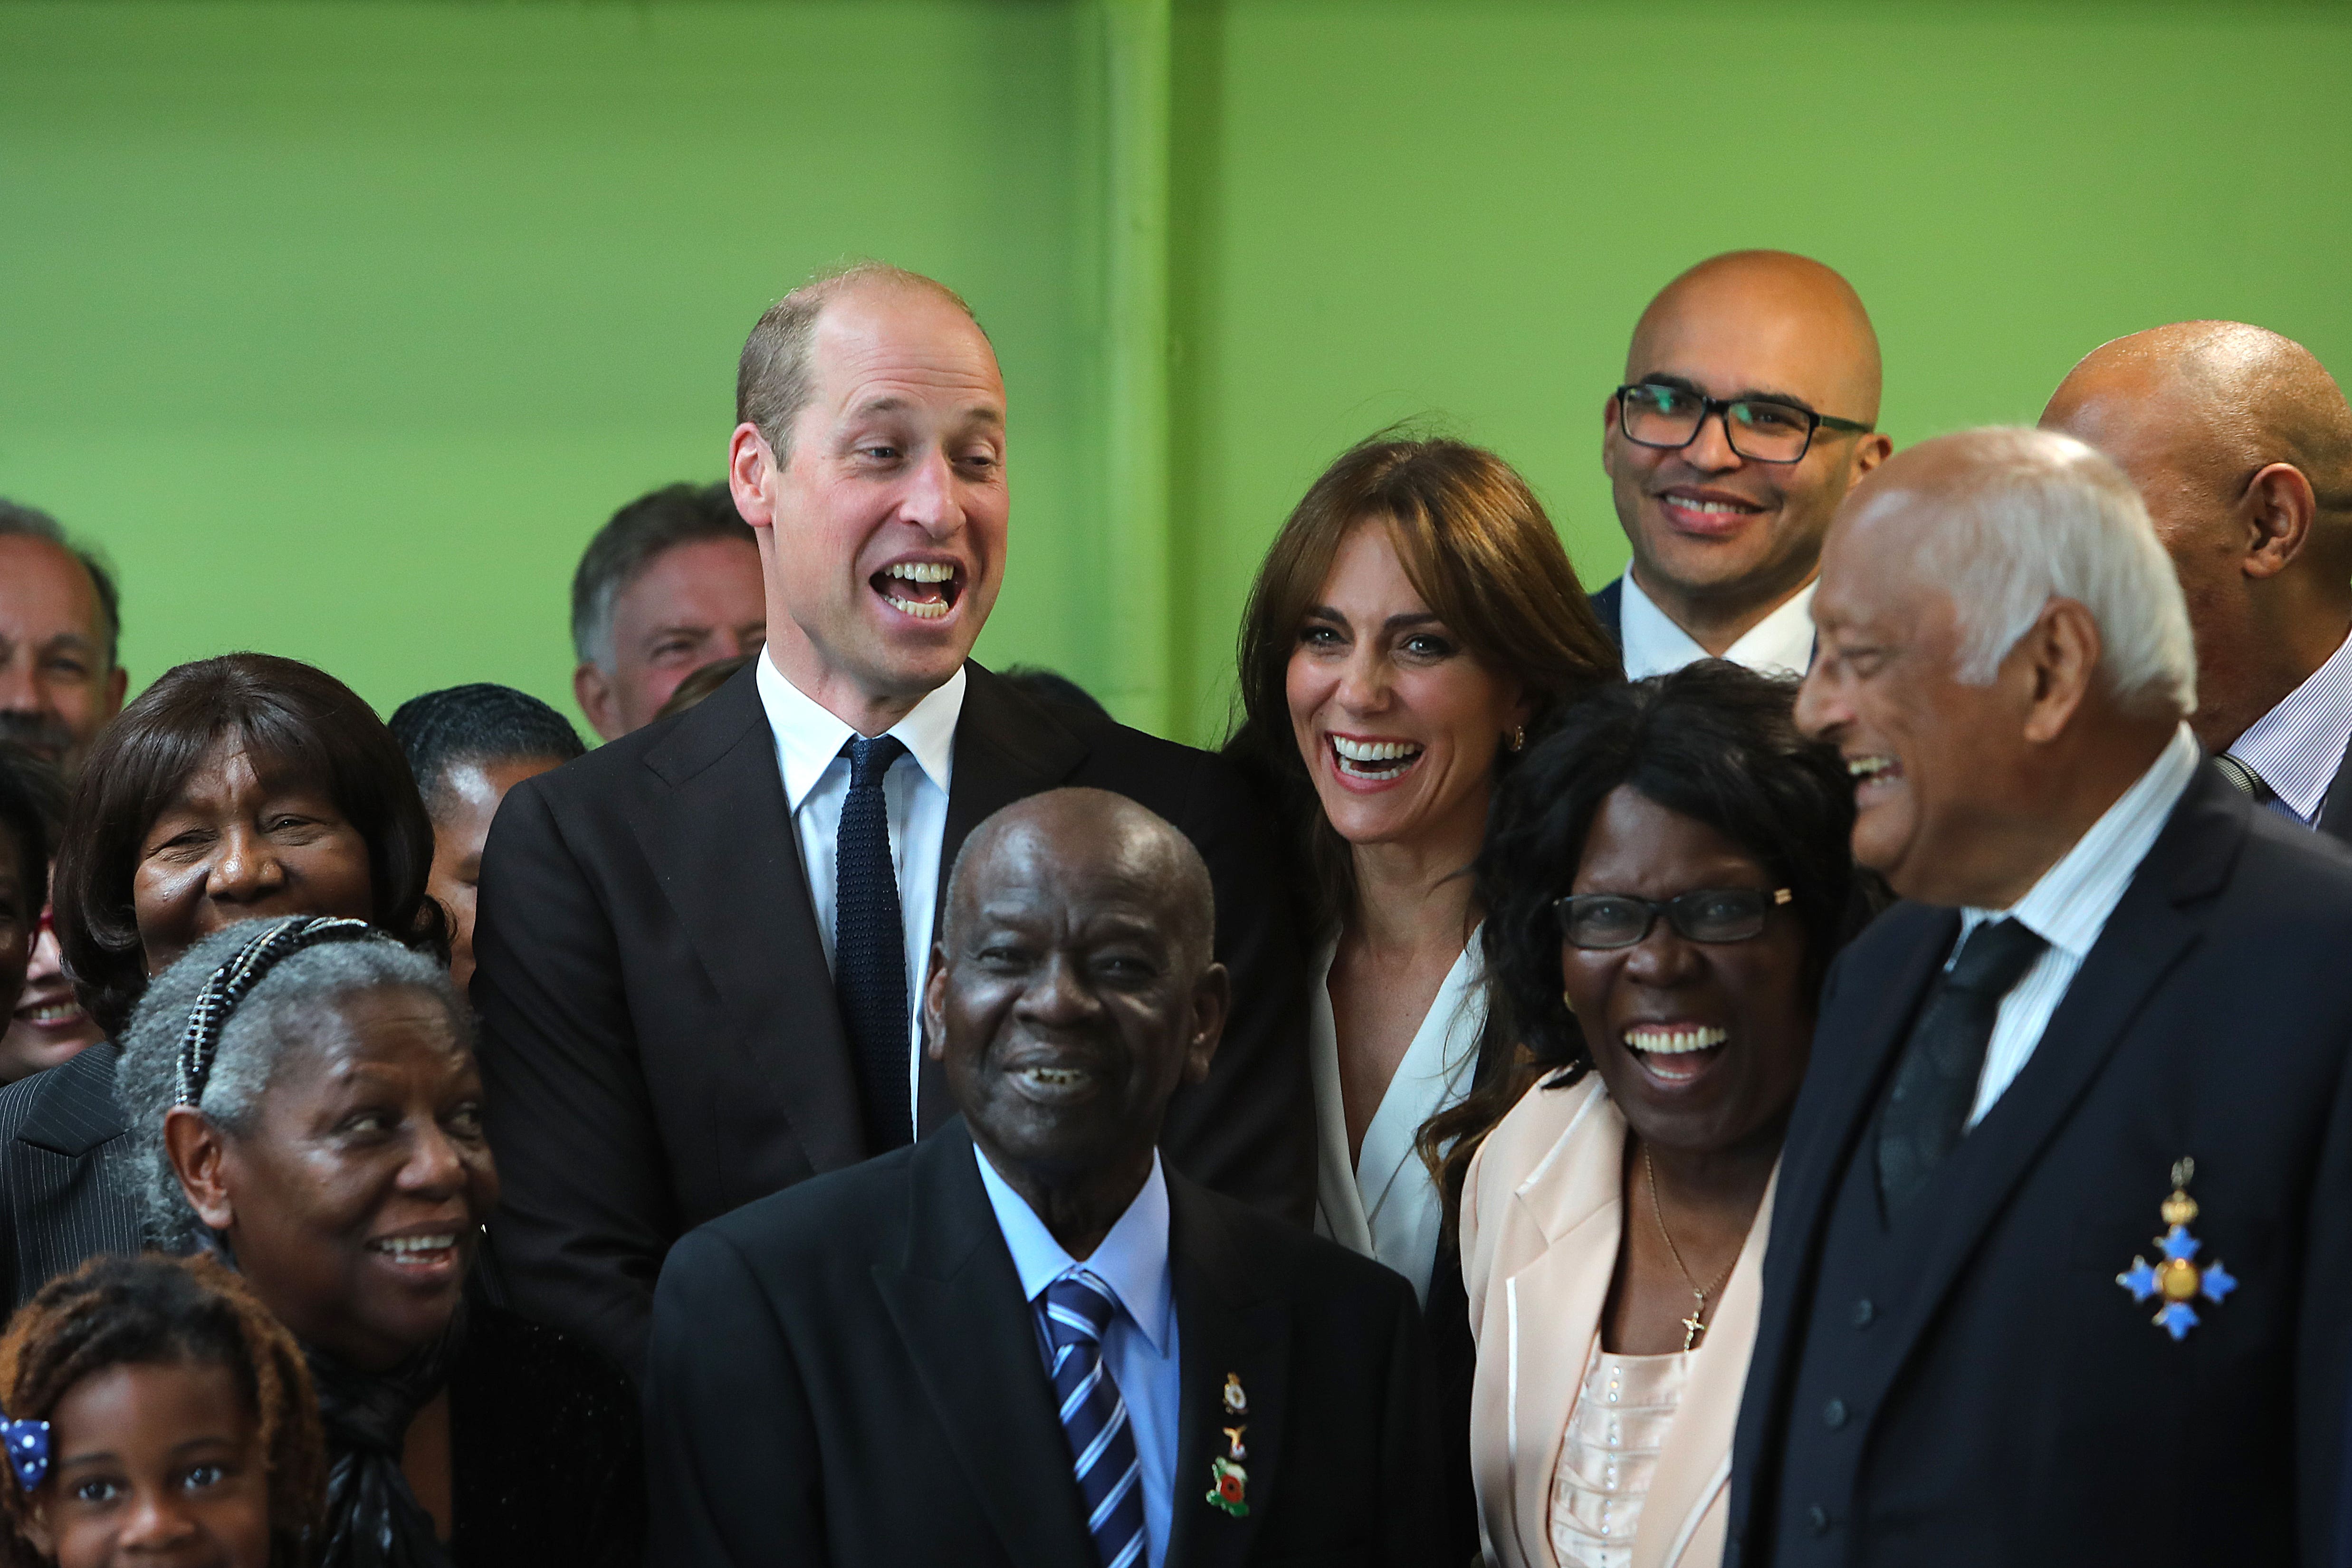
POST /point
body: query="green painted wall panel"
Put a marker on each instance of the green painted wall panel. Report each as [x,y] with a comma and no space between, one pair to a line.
[343,325]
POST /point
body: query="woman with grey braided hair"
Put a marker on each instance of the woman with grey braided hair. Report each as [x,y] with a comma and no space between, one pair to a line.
[305,1103]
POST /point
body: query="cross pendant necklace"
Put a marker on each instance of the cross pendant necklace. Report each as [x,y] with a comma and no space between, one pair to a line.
[1695,1325]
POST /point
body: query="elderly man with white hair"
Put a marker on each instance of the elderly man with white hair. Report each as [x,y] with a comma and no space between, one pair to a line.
[2062,1256]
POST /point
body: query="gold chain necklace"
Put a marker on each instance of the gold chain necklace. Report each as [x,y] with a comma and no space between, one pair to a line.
[1695,1325]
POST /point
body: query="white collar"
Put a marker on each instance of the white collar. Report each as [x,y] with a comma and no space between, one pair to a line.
[2298,746]
[2069,906]
[1780,644]
[1132,1258]
[809,736]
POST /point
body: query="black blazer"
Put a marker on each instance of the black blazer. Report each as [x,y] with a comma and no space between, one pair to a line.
[659,1034]
[2038,1416]
[69,1182]
[847,1374]
[1608,604]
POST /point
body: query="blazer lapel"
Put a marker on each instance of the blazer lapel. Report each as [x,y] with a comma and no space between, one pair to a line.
[1007,748]
[727,858]
[1576,1200]
[958,1307]
[2141,943]
[2335,807]
[1227,1330]
[74,1111]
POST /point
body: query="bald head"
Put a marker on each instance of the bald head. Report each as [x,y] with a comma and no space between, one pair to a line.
[1721,538]
[1066,838]
[2240,444]
[1788,310]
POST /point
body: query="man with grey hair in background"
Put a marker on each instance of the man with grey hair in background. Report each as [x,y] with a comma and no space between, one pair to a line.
[61,636]
[2058,1257]
[2240,444]
[670,585]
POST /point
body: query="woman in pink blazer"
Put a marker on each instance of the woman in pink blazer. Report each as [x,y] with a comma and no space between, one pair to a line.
[1667,876]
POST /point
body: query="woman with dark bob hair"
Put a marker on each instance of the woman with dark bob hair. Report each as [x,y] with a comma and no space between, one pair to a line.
[1666,878]
[233,787]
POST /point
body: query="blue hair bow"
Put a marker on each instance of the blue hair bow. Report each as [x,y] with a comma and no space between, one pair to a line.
[27,1443]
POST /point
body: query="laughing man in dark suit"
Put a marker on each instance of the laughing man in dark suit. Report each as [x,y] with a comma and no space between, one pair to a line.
[697,947]
[1026,1340]
[2059,1257]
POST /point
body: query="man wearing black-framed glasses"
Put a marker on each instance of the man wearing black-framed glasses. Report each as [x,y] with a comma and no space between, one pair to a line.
[1749,408]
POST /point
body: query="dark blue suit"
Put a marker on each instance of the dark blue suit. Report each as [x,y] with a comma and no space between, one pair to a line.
[1976,1387]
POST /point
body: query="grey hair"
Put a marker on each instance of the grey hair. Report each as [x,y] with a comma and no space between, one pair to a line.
[286,1011]
[2039,516]
[30,522]
[647,527]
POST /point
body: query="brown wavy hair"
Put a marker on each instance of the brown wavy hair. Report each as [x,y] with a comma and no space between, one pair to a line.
[167,1312]
[298,715]
[1477,547]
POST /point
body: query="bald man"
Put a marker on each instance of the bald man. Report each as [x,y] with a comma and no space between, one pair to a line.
[1749,408]
[2241,442]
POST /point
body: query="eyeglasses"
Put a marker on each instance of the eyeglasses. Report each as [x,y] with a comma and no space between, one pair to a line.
[1602,920]
[1652,414]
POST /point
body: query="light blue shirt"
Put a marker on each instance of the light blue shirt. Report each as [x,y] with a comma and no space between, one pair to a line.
[1140,1346]
[2069,907]
[2297,747]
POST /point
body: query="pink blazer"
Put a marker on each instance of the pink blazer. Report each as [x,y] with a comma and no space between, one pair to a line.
[1543,1215]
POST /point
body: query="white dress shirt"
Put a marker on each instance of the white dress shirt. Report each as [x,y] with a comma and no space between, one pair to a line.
[1780,644]
[1385,1207]
[809,739]
[1139,1348]
[2069,907]
[2297,747]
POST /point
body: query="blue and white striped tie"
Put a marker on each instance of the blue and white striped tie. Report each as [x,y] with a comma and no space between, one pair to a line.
[1078,1307]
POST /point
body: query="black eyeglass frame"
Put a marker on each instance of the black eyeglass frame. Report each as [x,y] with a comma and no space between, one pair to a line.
[1674,909]
[1710,407]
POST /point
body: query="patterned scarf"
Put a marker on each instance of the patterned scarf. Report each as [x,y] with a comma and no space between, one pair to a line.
[373,1520]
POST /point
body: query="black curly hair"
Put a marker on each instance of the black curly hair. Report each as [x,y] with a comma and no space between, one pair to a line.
[1713,741]
[157,1311]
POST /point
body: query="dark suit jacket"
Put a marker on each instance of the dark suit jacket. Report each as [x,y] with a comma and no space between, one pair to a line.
[1608,604]
[2336,807]
[847,1374]
[2038,1416]
[661,1038]
[69,1186]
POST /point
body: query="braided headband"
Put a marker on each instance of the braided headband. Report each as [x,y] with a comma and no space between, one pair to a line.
[234,981]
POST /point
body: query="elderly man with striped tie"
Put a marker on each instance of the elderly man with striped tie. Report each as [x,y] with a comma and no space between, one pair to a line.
[1026,1340]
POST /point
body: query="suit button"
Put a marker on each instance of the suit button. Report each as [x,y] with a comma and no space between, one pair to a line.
[1817,1520]
[1864,1312]
[1834,1413]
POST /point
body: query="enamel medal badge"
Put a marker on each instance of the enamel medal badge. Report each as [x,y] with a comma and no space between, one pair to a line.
[2177,1278]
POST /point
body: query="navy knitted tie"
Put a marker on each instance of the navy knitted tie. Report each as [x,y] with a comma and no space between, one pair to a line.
[869,945]
[1927,1111]
[1078,1308]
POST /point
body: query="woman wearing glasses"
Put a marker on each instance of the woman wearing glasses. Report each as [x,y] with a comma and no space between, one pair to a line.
[1665,876]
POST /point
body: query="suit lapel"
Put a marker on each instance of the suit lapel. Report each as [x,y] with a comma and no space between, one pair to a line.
[2143,939]
[1007,748]
[1226,1327]
[74,1109]
[2335,808]
[726,853]
[958,1308]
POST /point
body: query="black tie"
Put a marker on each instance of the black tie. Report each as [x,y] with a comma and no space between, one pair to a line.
[1935,1081]
[869,945]
[2244,778]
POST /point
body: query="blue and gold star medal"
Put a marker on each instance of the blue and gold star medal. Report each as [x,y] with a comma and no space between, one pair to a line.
[2177,1278]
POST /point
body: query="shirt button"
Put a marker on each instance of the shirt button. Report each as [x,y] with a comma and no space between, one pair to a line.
[1864,1312]
[1817,1520]
[1834,1413]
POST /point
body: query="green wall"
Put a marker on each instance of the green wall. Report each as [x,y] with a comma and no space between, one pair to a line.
[342,325]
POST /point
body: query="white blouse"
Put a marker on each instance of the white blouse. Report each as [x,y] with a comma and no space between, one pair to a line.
[1610,1453]
[1386,1207]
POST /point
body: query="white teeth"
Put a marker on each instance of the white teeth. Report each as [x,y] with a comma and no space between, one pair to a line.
[1675,1042]
[1057,1076]
[1868,767]
[1373,751]
[1717,506]
[55,1013]
[402,1244]
[923,571]
[930,611]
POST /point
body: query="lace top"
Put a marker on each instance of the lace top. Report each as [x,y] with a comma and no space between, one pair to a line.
[1609,1453]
